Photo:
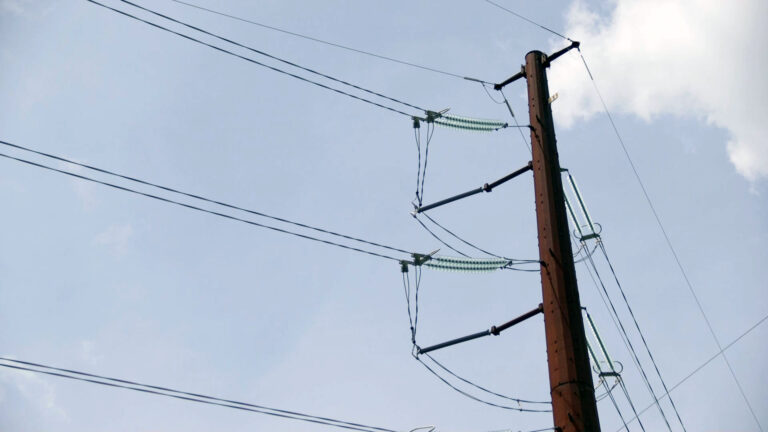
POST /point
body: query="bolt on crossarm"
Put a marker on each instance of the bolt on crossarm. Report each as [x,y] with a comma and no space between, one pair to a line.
[573,396]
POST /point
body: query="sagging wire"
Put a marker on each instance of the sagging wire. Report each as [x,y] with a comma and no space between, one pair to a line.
[489,94]
[477,386]
[505,101]
[436,237]
[511,261]
[411,290]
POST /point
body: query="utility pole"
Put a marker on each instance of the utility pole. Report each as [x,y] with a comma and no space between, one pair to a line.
[570,378]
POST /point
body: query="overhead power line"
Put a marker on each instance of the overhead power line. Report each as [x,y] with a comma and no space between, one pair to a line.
[626,339]
[201,198]
[200,209]
[260,52]
[183,395]
[464,393]
[413,319]
[248,59]
[669,242]
[701,366]
[479,387]
[637,326]
[524,18]
[333,44]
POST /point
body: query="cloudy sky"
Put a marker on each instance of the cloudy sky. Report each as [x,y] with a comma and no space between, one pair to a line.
[103,281]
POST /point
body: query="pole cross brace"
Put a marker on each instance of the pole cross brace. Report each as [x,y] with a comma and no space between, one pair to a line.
[497,330]
[494,330]
[547,61]
[488,187]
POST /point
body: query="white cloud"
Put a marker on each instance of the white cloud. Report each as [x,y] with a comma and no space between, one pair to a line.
[115,237]
[702,58]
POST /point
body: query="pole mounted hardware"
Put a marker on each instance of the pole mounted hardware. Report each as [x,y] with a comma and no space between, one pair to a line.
[488,187]
[494,330]
[459,122]
[547,60]
[419,259]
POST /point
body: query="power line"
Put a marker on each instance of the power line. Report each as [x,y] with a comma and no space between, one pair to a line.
[200,209]
[475,398]
[413,320]
[312,71]
[199,197]
[479,249]
[637,326]
[669,241]
[524,18]
[621,380]
[479,387]
[333,44]
[700,367]
[187,396]
[248,59]
[628,342]
[436,237]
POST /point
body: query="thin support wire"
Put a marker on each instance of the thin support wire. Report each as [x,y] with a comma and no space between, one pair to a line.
[701,366]
[625,338]
[248,59]
[669,241]
[524,18]
[270,56]
[333,44]
[637,326]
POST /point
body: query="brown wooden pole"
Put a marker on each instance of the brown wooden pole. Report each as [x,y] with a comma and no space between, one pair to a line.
[570,377]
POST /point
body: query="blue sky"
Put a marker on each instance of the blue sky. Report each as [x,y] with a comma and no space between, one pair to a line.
[107,282]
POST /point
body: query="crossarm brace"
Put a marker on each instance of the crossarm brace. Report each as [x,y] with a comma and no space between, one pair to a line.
[488,187]
[548,61]
[494,330]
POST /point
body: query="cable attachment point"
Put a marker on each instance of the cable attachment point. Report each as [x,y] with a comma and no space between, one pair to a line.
[511,79]
[419,259]
[404,266]
[432,115]
[416,122]
[548,59]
